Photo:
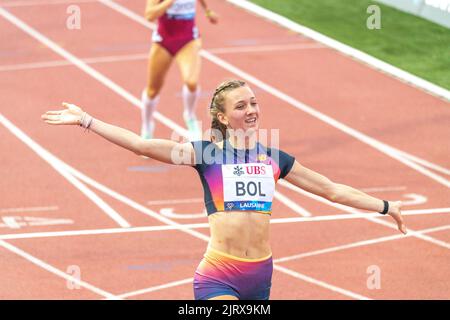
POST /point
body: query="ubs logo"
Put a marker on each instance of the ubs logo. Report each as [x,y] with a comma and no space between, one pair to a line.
[255,170]
[238,171]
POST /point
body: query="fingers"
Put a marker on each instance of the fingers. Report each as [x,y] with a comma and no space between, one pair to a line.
[51,117]
[57,112]
[53,122]
[400,224]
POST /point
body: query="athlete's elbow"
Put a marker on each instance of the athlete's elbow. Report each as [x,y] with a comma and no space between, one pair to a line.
[138,147]
[331,193]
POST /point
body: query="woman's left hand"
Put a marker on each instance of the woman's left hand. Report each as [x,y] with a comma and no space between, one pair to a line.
[396,213]
[212,16]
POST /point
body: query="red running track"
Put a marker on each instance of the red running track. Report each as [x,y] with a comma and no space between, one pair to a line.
[315,260]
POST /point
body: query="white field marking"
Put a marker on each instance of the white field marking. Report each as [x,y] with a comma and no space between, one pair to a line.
[89,70]
[175,201]
[382,189]
[71,233]
[155,288]
[426,163]
[144,56]
[10,222]
[361,215]
[355,211]
[29,209]
[334,217]
[382,147]
[319,283]
[168,212]
[48,157]
[34,65]
[64,63]
[364,57]
[18,222]
[291,204]
[265,48]
[358,244]
[55,271]
[104,80]
[28,3]
[416,199]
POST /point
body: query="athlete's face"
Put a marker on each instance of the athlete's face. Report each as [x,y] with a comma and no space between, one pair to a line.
[241,109]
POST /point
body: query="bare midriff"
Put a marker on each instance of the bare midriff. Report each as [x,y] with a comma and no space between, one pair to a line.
[243,234]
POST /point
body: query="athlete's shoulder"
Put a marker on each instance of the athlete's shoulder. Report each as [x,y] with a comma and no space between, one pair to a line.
[284,160]
[206,152]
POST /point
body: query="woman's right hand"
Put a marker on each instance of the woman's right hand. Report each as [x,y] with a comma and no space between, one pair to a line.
[70,116]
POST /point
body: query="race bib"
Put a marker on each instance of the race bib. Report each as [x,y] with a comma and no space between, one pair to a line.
[182,10]
[248,186]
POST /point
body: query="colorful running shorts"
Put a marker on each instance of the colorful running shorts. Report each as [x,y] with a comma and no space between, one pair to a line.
[222,274]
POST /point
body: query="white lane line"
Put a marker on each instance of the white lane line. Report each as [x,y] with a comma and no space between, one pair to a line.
[55,271]
[319,283]
[144,56]
[266,48]
[52,234]
[396,72]
[64,63]
[156,288]
[425,163]
[175,201]
[334,217]
[358,244]
[29,209]
[382,147]
[34,65]
[44,154]
[168,212]
[11,222]
[28,3]
[355,211]
[291,204]
[360,215]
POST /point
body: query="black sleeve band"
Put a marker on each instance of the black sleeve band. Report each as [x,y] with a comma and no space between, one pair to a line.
[386,207]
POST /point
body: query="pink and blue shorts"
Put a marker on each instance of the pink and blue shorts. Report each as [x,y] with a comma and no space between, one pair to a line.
[222,274]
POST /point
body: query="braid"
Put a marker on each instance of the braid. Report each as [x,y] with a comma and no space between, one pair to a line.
[218,105]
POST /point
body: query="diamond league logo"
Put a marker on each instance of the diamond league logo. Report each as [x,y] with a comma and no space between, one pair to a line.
[230,205]
[238,171]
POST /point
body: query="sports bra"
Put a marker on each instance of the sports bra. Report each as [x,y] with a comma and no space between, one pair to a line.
[239,179]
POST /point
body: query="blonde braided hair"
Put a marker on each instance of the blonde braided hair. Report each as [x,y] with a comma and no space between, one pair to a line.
[218,105]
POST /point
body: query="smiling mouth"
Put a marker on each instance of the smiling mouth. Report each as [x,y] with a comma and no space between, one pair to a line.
[251,120]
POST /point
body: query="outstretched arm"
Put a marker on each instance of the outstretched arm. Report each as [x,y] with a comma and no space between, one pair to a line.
[155,9]
[211,15]
[317,184]
[159,149]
